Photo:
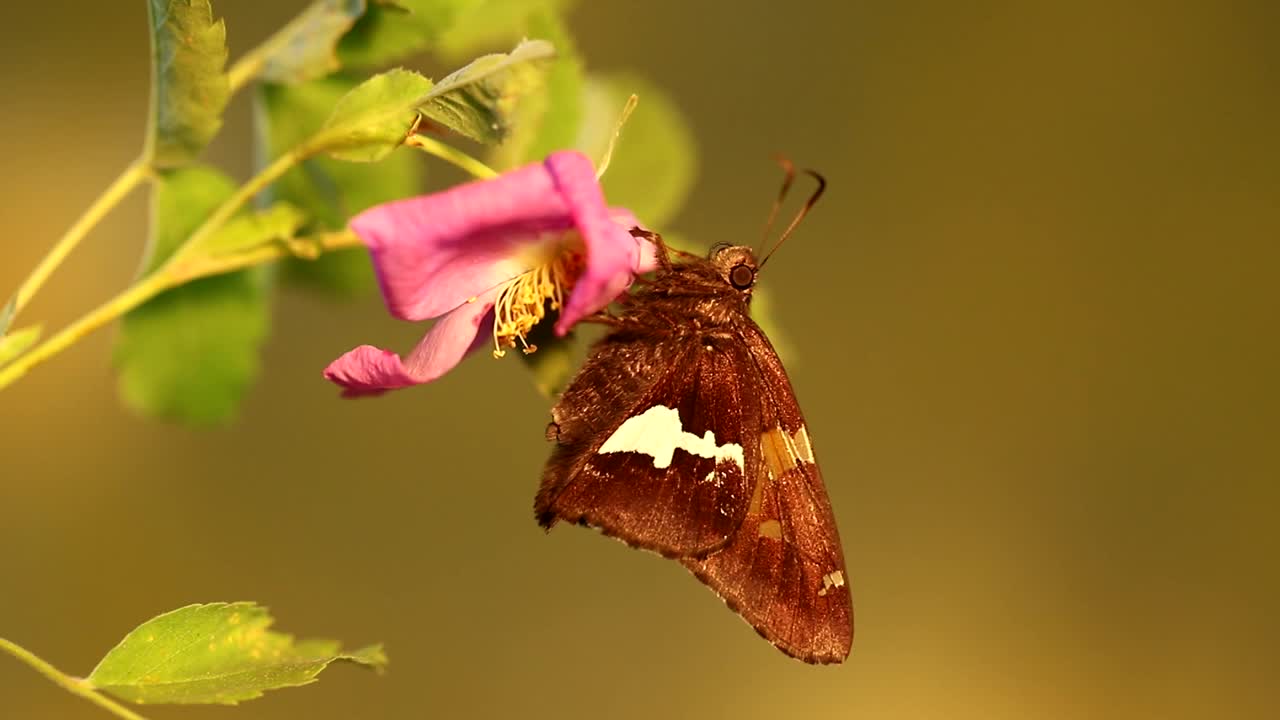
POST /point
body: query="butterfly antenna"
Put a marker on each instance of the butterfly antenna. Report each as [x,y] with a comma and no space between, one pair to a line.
[808,205]
[790,171]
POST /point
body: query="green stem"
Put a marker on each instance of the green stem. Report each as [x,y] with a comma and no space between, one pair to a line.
[452,156]
[246,68]
[233,204]
[115,192]
[306,248]
[157,282]
[71,684]
[174,273]
[108,311]
[179,268]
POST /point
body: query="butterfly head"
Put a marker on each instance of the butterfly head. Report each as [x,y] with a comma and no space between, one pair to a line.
[736,265]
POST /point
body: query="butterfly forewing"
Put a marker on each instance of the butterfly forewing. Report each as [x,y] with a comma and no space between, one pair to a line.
[671,470]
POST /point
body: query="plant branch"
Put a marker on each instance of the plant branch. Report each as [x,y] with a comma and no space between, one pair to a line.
[71,684]
[174,273]
[113,308]
[233,204]
[247,67]
[308,248]
[137,171]
[451,155]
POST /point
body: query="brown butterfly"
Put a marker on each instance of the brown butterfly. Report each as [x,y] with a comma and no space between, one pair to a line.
[681,434]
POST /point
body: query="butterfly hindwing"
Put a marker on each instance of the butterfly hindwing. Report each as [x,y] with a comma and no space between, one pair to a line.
[670,469]
[783,570]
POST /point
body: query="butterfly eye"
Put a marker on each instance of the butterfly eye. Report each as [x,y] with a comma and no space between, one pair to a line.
[742,276]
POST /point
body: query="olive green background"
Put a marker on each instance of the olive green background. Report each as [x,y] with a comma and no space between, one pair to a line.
[1036,318]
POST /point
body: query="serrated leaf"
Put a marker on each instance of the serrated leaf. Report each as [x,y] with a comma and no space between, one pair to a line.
[191,352]
[392,31]
[188,86]
[328,190]
[475,101]
[479,100]
[219,653]
[15,343]
[655,162]
[548,120]
[306,48]
[375,117]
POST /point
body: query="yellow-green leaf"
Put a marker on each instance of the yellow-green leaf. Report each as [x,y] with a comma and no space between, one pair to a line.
[188,86]
[254,229]
[330,191]
[475,101]
[15,343]
[547,120]
[191,352]
[375,117]
[479,100]
[306,48]
[486,24]
[220,653]
[391,31]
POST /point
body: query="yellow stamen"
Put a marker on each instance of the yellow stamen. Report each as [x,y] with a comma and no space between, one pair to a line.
[523,303]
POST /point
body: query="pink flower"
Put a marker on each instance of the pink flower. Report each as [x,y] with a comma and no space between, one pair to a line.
[486,258]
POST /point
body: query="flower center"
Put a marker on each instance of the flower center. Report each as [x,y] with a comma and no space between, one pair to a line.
[526,298]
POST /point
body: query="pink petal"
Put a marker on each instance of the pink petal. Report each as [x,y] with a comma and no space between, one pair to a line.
[434,252]
[368,370]
[612,253]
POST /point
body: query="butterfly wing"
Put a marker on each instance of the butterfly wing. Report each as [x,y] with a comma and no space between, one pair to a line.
[783,569]
[655,444]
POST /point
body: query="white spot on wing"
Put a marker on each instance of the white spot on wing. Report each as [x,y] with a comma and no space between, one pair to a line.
[658,432]
[833,579]
[800,442]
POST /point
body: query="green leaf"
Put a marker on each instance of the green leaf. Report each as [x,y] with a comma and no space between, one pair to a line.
[374,118]
[188,87]
[328,190]
[15,343]
[180,202]
[306,48]
[475,101]
[392,31]
[655,162]
[255,229]
[487,24]
[549,120]
[479,100]
[191,352]
[221,653]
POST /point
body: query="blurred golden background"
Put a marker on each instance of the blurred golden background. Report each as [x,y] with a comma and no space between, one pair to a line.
[1036,318]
